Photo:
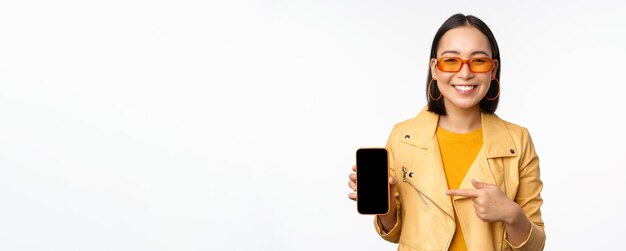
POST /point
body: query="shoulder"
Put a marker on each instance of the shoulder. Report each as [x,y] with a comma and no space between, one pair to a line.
[519,133]
[416,131]
[512,127]
[401,127]
[405,124]
[424,119]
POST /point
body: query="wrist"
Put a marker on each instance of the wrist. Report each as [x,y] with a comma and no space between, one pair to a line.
[515,215]
[391,216]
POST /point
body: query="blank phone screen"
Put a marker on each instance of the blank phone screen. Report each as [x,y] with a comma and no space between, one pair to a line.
[372,181]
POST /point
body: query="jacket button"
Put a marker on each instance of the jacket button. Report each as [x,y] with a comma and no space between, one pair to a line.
[411,174]
[511,150]
[407,136]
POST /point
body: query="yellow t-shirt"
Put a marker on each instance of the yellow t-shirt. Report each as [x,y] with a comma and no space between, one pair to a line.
[458,152]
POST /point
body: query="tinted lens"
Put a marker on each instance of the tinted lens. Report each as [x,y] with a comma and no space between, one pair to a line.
[480,64]
[450,64]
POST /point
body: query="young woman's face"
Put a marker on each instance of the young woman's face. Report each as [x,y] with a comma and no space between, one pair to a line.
[463,89]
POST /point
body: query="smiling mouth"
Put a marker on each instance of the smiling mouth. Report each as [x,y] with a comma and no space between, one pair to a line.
[464,88]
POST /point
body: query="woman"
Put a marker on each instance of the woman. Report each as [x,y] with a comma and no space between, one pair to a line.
[461,177]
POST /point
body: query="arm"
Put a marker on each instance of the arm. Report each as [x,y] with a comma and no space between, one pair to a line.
[525,229]
[517,226]
[388,226]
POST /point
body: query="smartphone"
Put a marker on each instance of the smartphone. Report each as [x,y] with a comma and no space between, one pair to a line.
[372,180]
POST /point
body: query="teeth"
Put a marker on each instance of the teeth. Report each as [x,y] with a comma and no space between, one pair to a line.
[464,87]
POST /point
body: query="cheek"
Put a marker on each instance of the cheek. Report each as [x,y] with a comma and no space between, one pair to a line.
[485,85]
[444,78]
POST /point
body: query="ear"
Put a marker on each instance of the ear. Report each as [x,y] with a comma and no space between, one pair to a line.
[496,64]
[433,69]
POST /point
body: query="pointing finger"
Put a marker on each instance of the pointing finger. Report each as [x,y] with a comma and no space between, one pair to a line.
[463,192]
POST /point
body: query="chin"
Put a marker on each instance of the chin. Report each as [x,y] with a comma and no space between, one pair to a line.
[465,104]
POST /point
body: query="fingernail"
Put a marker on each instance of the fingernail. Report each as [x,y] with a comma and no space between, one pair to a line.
[447,192]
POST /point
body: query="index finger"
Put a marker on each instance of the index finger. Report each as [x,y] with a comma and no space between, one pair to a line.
[463,192]
[354,168]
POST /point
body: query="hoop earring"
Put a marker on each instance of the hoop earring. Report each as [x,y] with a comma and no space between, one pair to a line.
[430,94]
[497,95]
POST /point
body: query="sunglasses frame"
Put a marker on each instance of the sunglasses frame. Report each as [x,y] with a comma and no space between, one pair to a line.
[465,62]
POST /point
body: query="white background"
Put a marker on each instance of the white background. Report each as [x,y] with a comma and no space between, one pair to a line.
[232,125]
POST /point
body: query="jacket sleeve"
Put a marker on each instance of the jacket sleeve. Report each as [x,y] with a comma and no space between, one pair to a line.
[528,196]
[394,234]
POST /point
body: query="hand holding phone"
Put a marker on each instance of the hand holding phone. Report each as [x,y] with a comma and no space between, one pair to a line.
[388,220]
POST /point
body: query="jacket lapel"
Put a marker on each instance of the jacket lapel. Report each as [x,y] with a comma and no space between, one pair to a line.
[497,142]
[429,176]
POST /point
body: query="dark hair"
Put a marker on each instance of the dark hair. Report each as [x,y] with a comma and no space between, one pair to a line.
[458,20]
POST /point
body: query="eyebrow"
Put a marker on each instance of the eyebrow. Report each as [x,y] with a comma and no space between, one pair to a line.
[473,53]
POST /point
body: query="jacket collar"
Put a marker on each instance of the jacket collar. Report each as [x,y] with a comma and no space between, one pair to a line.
[497,141]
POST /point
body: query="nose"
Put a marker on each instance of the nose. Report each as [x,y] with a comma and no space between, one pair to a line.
[465,72]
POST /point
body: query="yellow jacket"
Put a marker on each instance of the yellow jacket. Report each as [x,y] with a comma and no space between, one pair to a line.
[425,213]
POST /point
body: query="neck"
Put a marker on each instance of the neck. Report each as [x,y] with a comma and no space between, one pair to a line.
[461,120]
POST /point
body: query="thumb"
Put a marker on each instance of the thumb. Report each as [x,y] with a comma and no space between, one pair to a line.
[392,192]
[478,184]
[392,180]
[392,185]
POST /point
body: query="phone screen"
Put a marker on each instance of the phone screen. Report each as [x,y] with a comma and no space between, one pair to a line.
[372,177]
